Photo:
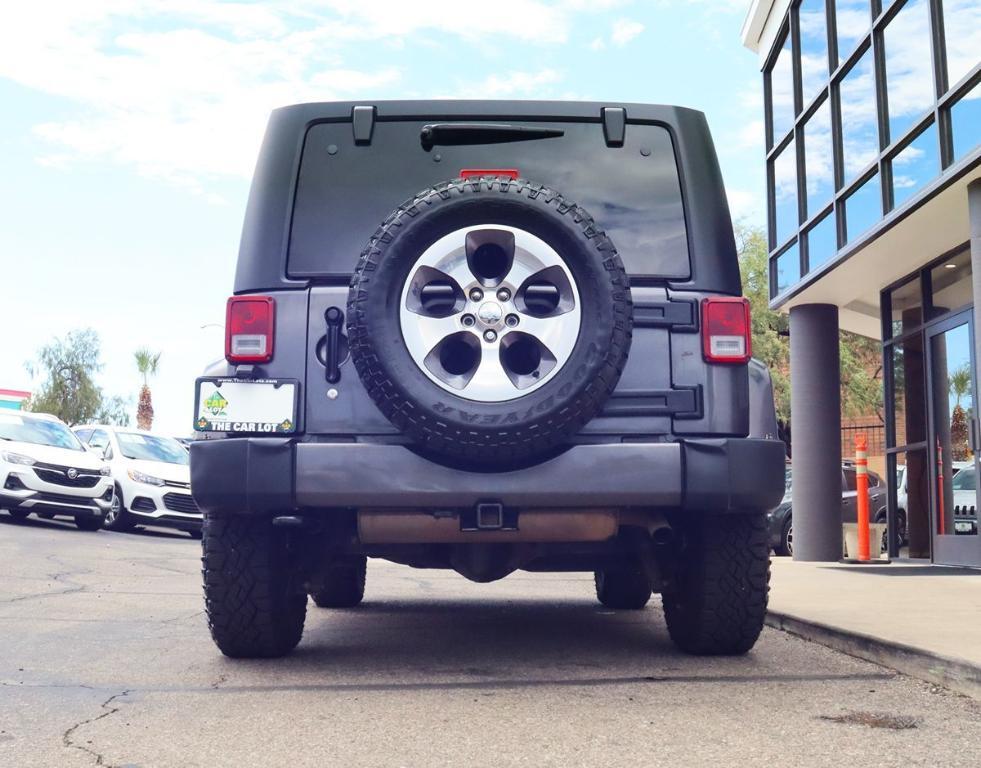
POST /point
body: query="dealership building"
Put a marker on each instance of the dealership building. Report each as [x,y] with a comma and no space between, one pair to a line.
[873,162]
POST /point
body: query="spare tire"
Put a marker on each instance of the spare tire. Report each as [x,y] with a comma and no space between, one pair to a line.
[489,319]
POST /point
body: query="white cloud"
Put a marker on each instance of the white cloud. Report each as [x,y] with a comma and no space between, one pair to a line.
[512,83]
[181,91]
[744,205]
[597,44]
[625,30]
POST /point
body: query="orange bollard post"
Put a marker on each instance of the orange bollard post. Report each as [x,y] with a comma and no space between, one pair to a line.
[862,486]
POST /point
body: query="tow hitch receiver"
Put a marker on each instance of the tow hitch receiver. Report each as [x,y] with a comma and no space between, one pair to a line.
[489,516]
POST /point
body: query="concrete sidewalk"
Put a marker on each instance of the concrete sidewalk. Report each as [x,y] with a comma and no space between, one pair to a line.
[922,620]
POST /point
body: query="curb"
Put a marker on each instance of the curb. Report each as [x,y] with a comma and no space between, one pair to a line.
[959,676]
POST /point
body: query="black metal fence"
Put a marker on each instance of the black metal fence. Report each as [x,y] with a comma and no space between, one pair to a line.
[875,433]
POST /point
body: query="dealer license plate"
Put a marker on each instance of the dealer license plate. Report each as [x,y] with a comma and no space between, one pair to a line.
[261,406]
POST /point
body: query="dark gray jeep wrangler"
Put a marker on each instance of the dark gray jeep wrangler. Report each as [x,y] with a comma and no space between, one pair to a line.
[487,336]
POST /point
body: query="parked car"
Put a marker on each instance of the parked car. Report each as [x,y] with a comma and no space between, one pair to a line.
[964,486]
[45,470]
[151,476]
[463,395]
[781,523]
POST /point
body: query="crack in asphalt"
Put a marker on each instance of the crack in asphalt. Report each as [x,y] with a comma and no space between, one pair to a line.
[66,737]
[61,577]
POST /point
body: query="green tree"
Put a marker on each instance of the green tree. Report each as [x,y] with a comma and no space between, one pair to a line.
[146,363]
[960,383]
[771,330]
[860,358]
[68,390]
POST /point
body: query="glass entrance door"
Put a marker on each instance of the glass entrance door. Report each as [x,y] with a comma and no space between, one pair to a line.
[953,442]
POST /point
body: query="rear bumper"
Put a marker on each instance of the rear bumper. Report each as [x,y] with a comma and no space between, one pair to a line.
[258,475]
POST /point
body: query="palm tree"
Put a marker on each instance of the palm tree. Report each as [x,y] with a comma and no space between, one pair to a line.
[146,363]
[960,383]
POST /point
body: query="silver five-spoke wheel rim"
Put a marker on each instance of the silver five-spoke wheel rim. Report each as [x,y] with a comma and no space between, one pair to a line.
[490,313]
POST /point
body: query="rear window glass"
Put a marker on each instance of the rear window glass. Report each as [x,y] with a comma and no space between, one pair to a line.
[345,191]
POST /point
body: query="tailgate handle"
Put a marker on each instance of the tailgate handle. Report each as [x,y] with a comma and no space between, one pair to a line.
[335,320]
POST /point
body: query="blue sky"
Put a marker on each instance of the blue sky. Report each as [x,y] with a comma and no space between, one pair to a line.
[130,128]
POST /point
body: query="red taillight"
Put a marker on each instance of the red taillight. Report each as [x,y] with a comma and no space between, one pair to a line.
[726,330]
[249,325]
[470,173]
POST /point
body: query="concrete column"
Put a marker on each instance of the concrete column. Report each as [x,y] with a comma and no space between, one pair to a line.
[974,212]
[815,410]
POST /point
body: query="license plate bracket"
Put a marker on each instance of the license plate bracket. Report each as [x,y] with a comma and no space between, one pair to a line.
[245,406]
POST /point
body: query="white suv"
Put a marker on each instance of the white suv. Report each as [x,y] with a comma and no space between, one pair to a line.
[152,478]
[45,470]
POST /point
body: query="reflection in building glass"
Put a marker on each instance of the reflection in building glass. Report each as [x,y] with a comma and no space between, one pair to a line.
[863,208]
[788,268]
[822,242]
[853,19]
[785,192]
[859,132]
[813,48]
[962,36]
[909,68]
[818,159]
[782,92]
[965,120]
[915,166]
[950,283]
[907,307]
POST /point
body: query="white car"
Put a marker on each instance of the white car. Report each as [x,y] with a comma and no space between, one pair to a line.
[152,476]
[45,470]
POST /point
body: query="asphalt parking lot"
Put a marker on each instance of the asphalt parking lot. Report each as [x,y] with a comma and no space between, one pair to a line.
[107,661]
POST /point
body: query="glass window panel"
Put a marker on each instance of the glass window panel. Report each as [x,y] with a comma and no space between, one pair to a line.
[909,390]
[965,119]
[853,19]
[863,208]
[822,242]
[782,92]
[912,483]
[909,67]
[785,193]
[818,158]
[907,308]
[962,30]
[915,166]
[813,48]
[788,268]
[950,283]
[859,129]
[952,384]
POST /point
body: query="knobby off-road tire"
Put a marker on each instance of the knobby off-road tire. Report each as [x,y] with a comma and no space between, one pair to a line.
[626,589]
[343,585]
[467,430]
[254,603]
[717,603]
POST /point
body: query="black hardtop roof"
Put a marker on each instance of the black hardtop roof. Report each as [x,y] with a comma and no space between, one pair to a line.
[265,234]
[461,109]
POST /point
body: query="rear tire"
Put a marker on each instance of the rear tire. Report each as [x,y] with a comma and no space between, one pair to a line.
[343,586]
[717,601]
[88,523]
[254,606]
[626,589]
